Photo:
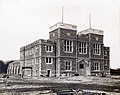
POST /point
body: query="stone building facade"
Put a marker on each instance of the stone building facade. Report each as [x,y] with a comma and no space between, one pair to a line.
[14,68]
[66,53]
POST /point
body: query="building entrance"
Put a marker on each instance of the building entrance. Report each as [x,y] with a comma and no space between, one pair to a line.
[83,67]
[48,73]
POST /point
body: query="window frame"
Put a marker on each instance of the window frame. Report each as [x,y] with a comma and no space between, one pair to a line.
[47,60]
[96,66]
[81,64]
[83,47]
[68,65]
[48,46]
[97,49]
[68,46]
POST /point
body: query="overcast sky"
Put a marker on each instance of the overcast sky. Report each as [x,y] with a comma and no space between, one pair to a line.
[24,21]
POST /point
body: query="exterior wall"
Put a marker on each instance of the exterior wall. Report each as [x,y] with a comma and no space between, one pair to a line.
[67,34]
[84,39]
[54,34]
[46,54]
[59,36]
[34,56]
[92,39]
[97,39]
[101,67]
[29,56]
[45,67]
[63,71]
[86,70]
[107,60]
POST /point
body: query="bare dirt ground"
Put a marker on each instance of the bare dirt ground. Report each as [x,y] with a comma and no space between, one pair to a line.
[111,83]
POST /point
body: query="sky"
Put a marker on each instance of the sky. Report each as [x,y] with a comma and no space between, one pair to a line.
[24,21]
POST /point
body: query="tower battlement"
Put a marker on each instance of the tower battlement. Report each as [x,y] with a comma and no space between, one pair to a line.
[63,25]
[90,30]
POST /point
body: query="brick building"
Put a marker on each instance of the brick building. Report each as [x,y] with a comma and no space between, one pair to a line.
[66,53]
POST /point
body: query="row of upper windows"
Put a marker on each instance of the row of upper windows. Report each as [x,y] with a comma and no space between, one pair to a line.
[68,48]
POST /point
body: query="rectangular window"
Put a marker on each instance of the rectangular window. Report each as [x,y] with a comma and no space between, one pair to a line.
[82,48]
[68,46]
[81,66]
[96,66]
[49,60]
[49,48]
[96,49]
[68,65]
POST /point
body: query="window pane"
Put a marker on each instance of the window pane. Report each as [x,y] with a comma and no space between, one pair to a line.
[97,49]
[67,43]
[49,60]
[68,65]
[81,66]
[70,43]
[46,48]
[70,49]
[96,66]
[68,46]
[64,42]
[82,48]
[49,48]
[46,60]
